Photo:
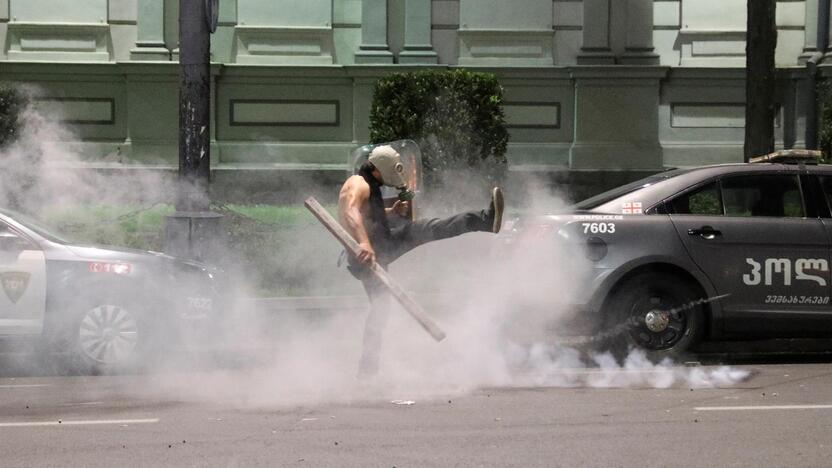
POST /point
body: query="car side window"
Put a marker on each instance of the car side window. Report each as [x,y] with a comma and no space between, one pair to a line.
[776,195]
[11,241]
[702,201]
[826,186]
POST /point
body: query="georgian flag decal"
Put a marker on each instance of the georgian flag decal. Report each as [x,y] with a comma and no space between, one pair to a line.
[631,208]
[14,284]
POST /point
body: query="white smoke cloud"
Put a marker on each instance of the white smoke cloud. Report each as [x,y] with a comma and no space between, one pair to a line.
[563,367]
[499,305]
[45,168]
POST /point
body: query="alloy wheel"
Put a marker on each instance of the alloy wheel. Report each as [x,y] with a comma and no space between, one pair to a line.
[108,334]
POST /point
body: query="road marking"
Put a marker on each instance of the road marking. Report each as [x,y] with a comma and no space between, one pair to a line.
[751,408]
[89,403]
[25,386]
[79,423]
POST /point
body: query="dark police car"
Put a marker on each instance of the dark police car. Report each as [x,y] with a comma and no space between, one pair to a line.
[723,251]
[106,308]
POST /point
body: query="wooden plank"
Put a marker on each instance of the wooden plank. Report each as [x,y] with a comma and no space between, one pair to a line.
[411,306]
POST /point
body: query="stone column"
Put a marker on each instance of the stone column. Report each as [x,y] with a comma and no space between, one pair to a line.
[417,40]
[827,57]
[617,117]
[792,80]
[150,44]
[810,43]
[639,47]
[373,47]
[596,46]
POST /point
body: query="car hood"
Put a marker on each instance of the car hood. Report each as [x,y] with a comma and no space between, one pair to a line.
[91,252]
[123,254]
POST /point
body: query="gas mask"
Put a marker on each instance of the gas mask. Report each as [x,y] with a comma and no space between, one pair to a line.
[388,162]
[406,194]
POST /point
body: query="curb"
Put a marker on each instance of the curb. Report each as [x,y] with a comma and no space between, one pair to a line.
[308,303]
[330,303]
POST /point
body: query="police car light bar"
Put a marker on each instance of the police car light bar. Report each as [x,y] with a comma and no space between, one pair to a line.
[790,156]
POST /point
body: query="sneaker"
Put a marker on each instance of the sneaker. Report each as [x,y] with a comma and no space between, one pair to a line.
[495,210]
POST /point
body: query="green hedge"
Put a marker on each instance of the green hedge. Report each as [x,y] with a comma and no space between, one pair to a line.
[825,120]
[12,103]
[454,116]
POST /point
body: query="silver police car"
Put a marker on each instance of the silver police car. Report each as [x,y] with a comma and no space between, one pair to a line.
[104,308]
[715,252]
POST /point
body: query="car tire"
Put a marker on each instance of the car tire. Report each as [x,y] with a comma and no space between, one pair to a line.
[657,313]
[108,337]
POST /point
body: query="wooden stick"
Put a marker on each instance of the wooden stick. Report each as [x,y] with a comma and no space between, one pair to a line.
[411,306]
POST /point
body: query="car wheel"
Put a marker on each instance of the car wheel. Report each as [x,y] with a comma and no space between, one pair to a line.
[107,337]
[657,313]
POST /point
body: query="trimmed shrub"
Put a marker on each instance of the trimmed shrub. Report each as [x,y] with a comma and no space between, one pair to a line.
[454,116]
[12,103]
[825,120]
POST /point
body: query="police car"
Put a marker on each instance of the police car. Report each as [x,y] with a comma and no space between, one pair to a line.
[715,252]
[105,308]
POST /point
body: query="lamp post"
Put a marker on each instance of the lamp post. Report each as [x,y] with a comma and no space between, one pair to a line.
[193,231]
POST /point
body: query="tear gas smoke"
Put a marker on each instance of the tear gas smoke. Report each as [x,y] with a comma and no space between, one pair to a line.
[499,304]
[43,169]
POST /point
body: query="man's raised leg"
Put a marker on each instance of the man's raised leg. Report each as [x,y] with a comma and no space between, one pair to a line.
[422,231]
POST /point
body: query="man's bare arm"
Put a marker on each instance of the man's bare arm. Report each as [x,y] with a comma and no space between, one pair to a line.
[351,201]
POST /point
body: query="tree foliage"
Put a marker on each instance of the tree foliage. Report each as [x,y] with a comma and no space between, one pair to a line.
[12,103]
[454,116]
[825,123]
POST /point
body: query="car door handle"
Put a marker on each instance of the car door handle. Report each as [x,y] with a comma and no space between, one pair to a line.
[705,232]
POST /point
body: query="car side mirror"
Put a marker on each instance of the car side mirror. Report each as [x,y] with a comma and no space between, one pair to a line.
[11,242]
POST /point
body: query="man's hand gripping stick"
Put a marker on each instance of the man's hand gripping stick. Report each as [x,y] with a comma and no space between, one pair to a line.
[413,308]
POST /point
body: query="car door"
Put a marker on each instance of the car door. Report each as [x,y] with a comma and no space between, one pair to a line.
[22,283]
[821,183]
[750,235]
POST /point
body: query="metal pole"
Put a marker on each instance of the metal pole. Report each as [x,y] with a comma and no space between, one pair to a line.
[193,231]
[194,107]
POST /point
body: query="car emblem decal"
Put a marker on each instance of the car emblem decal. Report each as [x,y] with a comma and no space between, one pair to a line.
[14,284]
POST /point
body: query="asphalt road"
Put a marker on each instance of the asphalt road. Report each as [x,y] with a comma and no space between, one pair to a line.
[778,416]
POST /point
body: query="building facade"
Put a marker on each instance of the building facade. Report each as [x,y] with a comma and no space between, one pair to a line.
[590,85]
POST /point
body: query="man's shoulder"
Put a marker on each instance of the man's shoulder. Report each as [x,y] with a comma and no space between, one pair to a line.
[356,183]
[356,180]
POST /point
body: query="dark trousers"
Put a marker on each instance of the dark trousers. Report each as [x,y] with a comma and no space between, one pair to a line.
[402,240]
[410,235]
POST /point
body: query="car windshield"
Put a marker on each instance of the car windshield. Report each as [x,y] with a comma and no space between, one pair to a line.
[618,192]
[37,226]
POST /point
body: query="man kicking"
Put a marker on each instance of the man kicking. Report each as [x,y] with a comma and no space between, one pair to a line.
[362,213]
